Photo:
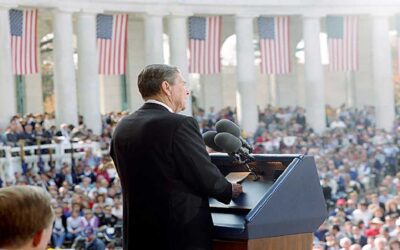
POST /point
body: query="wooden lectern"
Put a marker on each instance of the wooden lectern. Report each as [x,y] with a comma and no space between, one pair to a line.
[279,210]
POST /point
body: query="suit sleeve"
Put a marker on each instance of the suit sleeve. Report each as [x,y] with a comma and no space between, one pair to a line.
[195,164]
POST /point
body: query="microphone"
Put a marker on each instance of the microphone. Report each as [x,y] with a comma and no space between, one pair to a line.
[208,138]
[234,147]
[229,143]
[225,125]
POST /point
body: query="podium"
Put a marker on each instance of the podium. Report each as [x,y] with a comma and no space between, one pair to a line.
[279,211]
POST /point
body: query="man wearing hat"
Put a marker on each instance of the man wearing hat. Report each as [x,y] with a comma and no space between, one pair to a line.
[362,213]
[374,227]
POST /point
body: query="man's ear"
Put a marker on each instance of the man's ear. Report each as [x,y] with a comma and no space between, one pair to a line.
[37,238]
[166,88]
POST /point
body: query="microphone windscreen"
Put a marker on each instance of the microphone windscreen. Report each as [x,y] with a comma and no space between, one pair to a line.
[208,138]
[227,126]
[228,142]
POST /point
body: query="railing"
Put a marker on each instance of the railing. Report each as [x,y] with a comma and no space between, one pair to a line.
[51,155]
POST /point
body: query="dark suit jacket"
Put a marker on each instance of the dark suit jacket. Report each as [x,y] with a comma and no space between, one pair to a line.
[167,177]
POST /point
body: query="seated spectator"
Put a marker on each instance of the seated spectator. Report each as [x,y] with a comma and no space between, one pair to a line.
[394,244]
[108,220]
[12,134]
[74,225]
[91,159]
[27,135]
[117,209]
[380,243]
[345,243]
[59,226]
[89,220]
[31,207]
[92,242]
[42,135]
[357,237]
[374,227]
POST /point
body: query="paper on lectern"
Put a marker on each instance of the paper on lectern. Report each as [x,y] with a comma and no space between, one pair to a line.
[236,177]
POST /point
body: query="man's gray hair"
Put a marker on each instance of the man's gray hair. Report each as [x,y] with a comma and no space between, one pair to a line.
[151,77]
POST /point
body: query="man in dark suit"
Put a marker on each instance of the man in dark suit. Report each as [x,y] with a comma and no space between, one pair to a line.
[165,170]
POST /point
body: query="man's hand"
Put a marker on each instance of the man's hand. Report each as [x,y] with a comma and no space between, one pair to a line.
[236,190]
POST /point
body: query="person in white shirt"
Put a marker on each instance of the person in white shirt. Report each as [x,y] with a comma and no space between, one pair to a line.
[362,213]
[58,234]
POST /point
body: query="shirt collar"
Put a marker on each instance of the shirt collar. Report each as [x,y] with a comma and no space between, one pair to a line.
[159,103]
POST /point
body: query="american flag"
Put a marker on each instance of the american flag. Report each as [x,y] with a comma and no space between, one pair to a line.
[205,44]
[111,43]
[274,44]
[398,43]
[342,42]
[23,27]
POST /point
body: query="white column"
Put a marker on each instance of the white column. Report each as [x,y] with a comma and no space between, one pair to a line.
[178,37]
[153,36]
[136,60]
[34,92]
[88,79]
[8,102]
[246,74]
[64,69]
[314,74]
[350,90]
[382,73]
[273,91]
[212,91]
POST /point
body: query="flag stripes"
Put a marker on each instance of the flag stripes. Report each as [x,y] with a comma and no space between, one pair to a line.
[23,29]
[112,43]
[205,44]
[342,43]
[274,45]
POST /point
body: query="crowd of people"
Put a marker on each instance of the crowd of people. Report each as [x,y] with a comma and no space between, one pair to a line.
[358,166]
[85,194]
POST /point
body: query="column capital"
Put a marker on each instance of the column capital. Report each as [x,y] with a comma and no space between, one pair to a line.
[313,15]
[246,15]
[383,13]
[180,13]
[158,13]
[7,6]
[90,11]
[65,10]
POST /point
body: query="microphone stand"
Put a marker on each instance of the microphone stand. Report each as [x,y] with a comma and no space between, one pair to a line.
[247,159]
[256,177]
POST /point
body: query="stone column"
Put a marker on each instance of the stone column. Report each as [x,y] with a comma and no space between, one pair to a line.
[314,74]
[382,73]
[88,78]
[246,74]
[8,100]
[64,69]
[136,59]
[212,91]
[153,36]
[178,45]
